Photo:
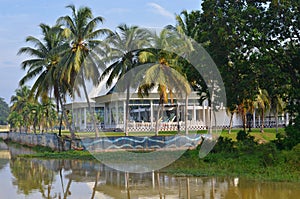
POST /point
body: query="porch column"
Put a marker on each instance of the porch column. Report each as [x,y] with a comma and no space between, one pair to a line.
[203,113]
[109,112]
[117,113]
[124,115]
[287,119]
[254,126]
[84,109]
[151,113]
[194,113]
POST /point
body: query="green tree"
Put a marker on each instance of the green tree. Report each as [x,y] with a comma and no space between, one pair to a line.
[20,105]
[43,66]
[4,111]
[80,60]
[164,73]
[263,104]
[123,47]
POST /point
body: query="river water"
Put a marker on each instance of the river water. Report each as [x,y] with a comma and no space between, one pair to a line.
[61,179]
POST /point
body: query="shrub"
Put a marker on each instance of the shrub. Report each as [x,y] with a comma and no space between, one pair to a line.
[291,137]
[245,142]
[223,145]
[268,154]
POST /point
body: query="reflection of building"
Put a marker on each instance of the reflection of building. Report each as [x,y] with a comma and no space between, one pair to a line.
[110,115]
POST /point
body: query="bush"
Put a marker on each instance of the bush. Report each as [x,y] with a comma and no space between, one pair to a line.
[224,145]
[291,137]
[245,142]
[268,154]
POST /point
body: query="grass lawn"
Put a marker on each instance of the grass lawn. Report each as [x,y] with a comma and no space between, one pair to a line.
[268,135]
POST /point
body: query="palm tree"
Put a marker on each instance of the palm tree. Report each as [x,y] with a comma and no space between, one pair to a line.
[81,60]
[164,73]
[124,45]
[231,110]
[20,104]
[262,103]
[44,64]
[277,107]
[188,23]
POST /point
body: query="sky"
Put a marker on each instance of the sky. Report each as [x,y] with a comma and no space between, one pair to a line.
[21,18]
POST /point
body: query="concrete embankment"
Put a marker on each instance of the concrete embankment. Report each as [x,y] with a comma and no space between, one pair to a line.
[114,143]
[45,139]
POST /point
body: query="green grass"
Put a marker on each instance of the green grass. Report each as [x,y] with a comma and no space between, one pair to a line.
[268,135]
[251,166]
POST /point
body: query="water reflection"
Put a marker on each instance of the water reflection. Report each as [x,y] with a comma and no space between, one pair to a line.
[62,179]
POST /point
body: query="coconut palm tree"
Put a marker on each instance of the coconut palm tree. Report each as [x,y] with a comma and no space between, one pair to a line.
[230,110]
[277,106]
[164,73]
[80,61]
[43,66]
[124,45]
[262,103]
[20,104]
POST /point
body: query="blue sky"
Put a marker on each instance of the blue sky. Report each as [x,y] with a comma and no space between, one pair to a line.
[20,18]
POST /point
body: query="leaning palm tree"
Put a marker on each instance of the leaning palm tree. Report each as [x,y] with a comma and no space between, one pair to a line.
[43,66]
[124,45]
[80,61]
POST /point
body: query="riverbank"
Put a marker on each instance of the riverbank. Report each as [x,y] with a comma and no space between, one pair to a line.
[246,157]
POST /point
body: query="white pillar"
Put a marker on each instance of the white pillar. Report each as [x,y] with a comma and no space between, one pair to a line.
[203,113]
[84,109]
[254,119]
[124,115]
[194,113]
[151,113]
[287,119]
[117,113]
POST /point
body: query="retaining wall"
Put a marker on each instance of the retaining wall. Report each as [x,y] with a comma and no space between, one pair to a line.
[45,139]
[57,143]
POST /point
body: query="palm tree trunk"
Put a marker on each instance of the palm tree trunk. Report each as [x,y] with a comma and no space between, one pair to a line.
[89,106]
[127,109]
[66,119]
[276,120]
[230,122]
[177,119]
[262,121]
[244,121]
[157,119]
[186,115]
[95,185]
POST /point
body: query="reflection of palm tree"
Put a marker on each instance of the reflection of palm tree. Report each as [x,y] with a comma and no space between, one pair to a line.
[81,60]
[95,186]
[68,192]
[123,47]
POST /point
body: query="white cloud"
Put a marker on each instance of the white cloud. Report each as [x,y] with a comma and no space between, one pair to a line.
[160,10]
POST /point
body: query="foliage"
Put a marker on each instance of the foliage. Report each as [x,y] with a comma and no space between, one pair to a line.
[224,144]
[291,137]
[4,111]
